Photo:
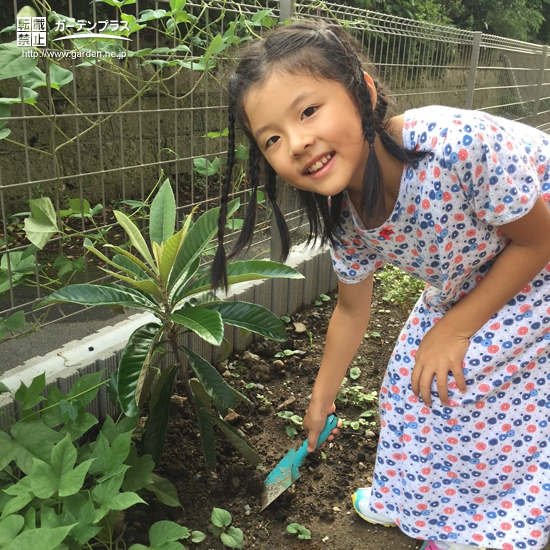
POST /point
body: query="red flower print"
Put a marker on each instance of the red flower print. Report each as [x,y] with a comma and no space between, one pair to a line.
[385,233]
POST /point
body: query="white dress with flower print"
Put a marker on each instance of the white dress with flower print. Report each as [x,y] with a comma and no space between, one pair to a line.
[477,471]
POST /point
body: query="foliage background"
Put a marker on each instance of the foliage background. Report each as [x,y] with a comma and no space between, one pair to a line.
[527,20]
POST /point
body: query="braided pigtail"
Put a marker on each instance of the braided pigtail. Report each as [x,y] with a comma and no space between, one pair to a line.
[254,174]
[381,107]
[271,190]
[219,265]
[372,194]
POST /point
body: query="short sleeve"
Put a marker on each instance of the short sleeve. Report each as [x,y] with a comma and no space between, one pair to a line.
[498,163]
[353,256]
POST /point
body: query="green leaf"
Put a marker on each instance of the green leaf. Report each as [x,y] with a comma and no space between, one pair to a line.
[215,47]
[149,15]
[7,450]
[13,63]
[233,538]
[354,373]
[4,132]
[30,396]
[166,531]
[43,223]
[163,214]
[246,270]
[59,76]
[164,490]
[100,295]
[203,405]
[196,241]
[129,267]
[155,427]
[238,441]
[206,323]
[35,78]
[251,317]
[177,5]
[135,236]
[242,152]
[212,381]
[147,286]
[118,3]
[171,250]
[135,358]
[26,94]
[44,538]
[9,529]
[206,167]
[220,517]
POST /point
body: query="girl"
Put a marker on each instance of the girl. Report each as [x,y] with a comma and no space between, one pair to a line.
[459,200]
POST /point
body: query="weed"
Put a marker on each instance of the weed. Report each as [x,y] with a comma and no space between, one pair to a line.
[289,353]
[263,400]
[398,287]
[322,298]
[294,421]
[232,537]
[300,530]
[355,395]
[164,534]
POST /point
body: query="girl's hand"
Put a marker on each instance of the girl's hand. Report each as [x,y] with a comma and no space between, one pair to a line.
[313,424]
[441,351]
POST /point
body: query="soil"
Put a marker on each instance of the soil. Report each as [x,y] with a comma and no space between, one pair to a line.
[320,499]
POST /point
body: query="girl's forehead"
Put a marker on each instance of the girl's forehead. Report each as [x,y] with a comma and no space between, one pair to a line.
[284,86]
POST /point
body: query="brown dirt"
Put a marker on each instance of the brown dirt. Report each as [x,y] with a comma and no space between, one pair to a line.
[320,499]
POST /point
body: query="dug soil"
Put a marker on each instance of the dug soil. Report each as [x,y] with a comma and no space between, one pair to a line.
[320,500]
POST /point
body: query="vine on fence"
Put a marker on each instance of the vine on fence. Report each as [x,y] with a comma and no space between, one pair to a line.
[186,42]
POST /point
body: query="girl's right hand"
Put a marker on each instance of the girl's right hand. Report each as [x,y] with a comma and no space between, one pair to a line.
[314,422]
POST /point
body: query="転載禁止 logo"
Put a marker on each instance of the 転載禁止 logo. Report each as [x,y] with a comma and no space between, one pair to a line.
[32,31]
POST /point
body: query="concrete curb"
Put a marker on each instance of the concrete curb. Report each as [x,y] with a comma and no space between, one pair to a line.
[102,349]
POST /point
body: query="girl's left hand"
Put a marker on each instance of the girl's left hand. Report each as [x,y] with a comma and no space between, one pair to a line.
[441,351]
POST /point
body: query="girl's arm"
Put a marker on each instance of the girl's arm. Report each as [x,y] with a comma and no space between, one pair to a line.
[444,346]
[345,332]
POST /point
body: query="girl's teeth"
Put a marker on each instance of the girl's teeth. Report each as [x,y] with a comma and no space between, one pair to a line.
[319,164]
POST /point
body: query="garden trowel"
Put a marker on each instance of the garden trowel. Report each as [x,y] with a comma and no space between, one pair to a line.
[287,471]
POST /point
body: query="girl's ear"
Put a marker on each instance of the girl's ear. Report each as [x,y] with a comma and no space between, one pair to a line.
[372,89]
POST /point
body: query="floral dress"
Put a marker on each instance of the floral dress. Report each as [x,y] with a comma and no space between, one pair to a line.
[478,470]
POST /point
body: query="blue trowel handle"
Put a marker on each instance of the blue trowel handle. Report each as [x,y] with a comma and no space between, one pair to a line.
[302,452]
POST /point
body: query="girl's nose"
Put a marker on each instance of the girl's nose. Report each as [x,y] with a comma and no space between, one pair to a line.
[299,142]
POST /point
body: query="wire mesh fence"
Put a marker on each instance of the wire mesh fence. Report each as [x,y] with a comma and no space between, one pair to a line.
[81,137]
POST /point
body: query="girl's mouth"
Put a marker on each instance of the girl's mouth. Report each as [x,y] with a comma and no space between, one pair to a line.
[318,167]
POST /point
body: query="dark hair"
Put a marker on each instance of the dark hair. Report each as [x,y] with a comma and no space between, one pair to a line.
[320,50]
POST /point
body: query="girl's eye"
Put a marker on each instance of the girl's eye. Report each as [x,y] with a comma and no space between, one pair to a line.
[271,141]
[308,112]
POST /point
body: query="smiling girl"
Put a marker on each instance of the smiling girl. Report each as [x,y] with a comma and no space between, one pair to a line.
[458,199]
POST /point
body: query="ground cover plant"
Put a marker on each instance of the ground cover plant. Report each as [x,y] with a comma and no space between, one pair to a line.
[64,485]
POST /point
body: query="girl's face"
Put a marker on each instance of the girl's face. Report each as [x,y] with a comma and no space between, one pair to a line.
[309,131]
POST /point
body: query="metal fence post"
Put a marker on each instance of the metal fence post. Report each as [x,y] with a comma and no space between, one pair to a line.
[540,82]
[286,11]
[473,70]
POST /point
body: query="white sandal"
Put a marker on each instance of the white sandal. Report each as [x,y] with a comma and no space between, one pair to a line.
[361,500]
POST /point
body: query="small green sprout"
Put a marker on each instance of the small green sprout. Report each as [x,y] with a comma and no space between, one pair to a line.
[232,537]
[300,530]
[294,422]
